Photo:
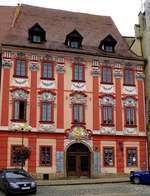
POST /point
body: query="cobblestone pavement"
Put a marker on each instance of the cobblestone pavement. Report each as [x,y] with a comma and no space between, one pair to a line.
[110,189]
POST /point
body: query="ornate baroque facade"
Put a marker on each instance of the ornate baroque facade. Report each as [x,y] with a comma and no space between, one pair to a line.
[86,108]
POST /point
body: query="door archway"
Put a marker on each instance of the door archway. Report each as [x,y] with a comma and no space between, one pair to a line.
[78,160]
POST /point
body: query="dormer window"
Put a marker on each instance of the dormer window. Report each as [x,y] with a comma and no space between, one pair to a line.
[36,34]
[74,39]
[108,44]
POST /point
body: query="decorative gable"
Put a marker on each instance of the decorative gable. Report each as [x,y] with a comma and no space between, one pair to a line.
[36,34]
[74,39]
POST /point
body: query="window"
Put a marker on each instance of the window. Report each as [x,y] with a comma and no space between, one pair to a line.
[129,77]
[47,70]
[20,68]
[107,75]
[130,116]
[78,113]
[108,48]
[19,110]
[36,34]
[36,38]
[45,156]
[74,44]
[78,72]
[107,115]
[15,160]
[108,157]
[74,39]
[131,157]
[47,112]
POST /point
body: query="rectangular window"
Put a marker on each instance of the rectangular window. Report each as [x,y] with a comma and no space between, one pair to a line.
[129,77]
[130,116]
[78,113]
[20,68]
[131,157]
[47,71]
[36,39]
[19,110]
[107,75]
[78,72]
[108,156]
[45,155]
[74,44]
[107,115]
[47,112]
[15,159]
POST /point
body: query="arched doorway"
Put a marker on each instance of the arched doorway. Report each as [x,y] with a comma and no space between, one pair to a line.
[78,160]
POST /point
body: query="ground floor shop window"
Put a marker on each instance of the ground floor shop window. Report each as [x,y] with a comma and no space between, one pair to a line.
[108,156]
[45,155]
[131,157]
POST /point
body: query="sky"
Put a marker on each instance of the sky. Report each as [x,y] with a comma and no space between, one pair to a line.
[123,12]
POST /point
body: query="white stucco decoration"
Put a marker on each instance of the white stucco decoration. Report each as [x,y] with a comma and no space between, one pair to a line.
[130,131]
[108,130]
[131,90]
[77,86]
[20,82]
[107,100]
[47,127]
[47,96]
[107,88]
[47,84]
[19,94]
[68,142]
[78,98]
[130,102]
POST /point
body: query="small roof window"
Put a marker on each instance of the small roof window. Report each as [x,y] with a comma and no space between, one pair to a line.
[108,44]
[36,34]
[74,39]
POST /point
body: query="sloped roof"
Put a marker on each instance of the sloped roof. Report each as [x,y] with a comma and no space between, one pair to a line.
[59,23]
[6,18]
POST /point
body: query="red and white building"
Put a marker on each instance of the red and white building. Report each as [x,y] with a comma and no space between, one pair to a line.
[73,79]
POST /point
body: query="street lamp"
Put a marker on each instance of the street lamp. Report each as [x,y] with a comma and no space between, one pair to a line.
[22,128]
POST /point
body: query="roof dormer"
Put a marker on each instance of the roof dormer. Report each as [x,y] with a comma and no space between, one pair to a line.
[74,39]
[36,34]
[108,44]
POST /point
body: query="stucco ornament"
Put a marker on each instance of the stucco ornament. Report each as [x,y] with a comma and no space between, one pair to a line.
[47,96]
[60,68]
[130,102]
[20,127]
[108,131]
[19,94]
[95,71]
[131,90]
[140,76]
[47,83]
[107,88]
[77,86]
[117,73]
[7,63]
[130,131]
[78,133]
[20,82]
[33,66]
[107,100]
[78,98]
[47,127]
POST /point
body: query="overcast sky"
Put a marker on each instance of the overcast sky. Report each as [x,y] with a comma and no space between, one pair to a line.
[123,12]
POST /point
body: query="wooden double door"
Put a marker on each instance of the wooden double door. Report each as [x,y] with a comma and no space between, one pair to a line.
[78,160]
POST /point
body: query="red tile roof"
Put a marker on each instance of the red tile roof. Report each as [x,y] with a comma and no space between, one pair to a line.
[59,23]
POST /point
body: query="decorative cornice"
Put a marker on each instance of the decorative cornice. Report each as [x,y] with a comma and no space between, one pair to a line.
[47,96]
[19,94]
[47,127]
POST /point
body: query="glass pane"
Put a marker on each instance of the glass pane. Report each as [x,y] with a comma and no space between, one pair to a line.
[16,112]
